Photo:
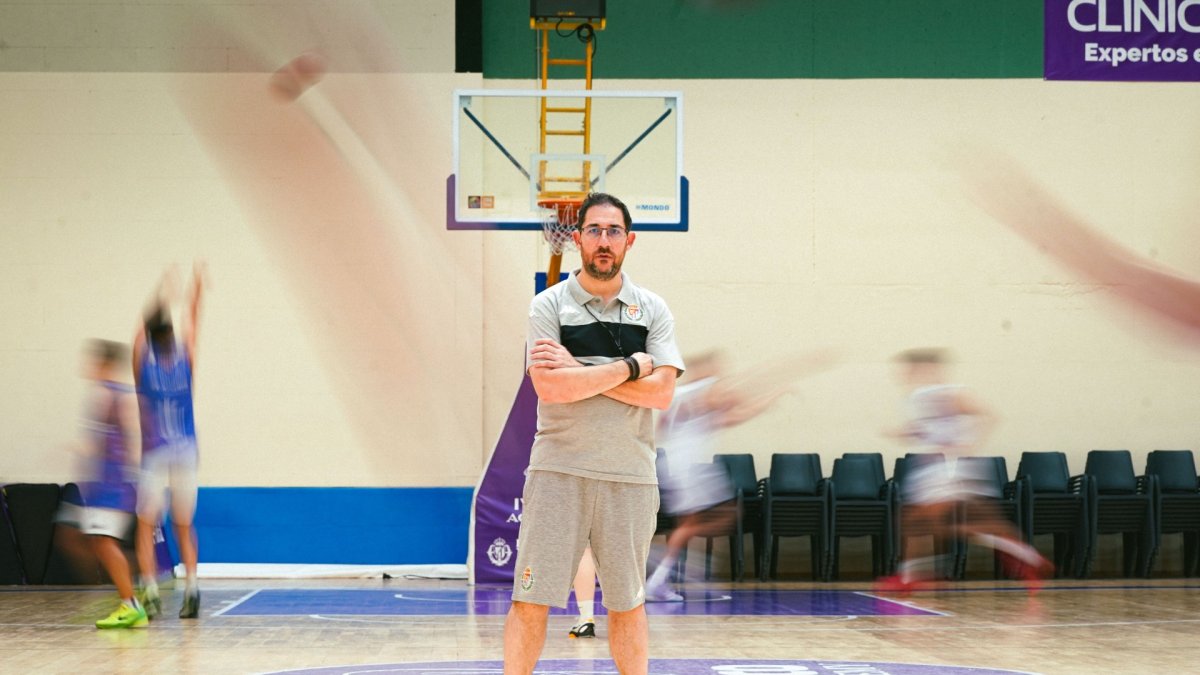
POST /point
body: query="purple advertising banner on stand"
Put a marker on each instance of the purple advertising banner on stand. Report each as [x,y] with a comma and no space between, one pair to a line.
[496,520]
[1122,40]
[496,510]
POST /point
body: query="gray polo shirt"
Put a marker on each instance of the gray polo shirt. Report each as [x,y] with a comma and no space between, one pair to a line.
[599,437]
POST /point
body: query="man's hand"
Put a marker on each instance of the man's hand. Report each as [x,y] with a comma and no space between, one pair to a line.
[200,274]
[547,353]
[645,364]
[169,286]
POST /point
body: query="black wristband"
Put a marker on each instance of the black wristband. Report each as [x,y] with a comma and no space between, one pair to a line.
[635,371]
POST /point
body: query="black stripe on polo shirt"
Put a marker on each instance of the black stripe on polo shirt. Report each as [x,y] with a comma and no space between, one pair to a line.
[594,339]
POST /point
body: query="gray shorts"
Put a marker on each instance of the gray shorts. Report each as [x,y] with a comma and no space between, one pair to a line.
[173,468]
[561,516]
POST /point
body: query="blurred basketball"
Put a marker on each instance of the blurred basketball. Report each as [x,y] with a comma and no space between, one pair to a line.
[296,76]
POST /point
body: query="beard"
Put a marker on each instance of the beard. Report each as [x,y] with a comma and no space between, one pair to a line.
[595,272]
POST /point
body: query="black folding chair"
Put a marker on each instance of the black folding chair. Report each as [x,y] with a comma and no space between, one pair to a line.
[1176,494]
[797,505]
[1122,503]
[748,492]
[1056,503]
[861,500]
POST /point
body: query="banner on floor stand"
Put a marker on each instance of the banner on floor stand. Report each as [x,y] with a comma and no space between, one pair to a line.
[496,508]
[497,504]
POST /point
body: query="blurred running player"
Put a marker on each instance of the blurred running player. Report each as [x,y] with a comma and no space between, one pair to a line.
[697,493]
[947,419]
[164,365]
[112,447]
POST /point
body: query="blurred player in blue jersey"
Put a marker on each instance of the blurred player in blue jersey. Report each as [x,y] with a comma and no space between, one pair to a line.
[164,363]
[111,451]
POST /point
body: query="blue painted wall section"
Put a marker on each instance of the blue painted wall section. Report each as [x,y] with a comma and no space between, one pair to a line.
[352,526]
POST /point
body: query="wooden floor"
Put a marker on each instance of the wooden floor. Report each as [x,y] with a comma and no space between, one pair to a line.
[266,626]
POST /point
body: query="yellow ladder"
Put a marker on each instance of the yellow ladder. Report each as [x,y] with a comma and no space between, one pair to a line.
[569,187]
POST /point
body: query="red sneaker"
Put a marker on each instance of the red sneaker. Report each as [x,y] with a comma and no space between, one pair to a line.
[1032,574]
[893,584]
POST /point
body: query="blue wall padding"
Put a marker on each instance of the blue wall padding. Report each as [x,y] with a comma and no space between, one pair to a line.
[352,526]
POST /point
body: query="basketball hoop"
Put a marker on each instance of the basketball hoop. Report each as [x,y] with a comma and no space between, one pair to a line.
[558,223]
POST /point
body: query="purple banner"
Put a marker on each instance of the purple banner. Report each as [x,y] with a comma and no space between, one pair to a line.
[1123,40]
[496,517]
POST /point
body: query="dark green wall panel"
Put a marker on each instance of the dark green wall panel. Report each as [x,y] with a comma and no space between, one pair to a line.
[672,39]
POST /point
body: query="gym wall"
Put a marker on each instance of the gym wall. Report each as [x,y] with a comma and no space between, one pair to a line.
[820,141]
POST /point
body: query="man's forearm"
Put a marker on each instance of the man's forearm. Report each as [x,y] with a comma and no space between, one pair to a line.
[567,385]
[653,391]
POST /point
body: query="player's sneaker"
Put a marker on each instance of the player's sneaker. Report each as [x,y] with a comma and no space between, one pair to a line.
[584,629]
[191,605]
[1032,574]
[892,584]
[898,584]
[125,616]
[662,593]
[150,603]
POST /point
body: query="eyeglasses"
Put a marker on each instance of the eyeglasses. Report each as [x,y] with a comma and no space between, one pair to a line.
[594,232]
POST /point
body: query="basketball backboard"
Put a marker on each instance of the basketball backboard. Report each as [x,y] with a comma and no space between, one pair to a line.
[634,150]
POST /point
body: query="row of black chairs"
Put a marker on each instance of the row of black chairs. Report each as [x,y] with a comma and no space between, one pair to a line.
[858,500]
[33,549]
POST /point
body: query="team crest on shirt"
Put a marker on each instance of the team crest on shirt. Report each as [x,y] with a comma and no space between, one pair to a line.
[527,578]
[634,312]
[499,552]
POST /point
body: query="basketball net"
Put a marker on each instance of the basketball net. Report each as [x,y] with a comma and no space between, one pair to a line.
[558,224]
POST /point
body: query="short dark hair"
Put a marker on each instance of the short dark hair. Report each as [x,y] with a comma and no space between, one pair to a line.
[107,352]
[160,332]
[603,198]
[926,355]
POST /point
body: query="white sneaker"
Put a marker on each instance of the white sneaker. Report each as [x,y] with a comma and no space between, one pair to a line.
[662,593]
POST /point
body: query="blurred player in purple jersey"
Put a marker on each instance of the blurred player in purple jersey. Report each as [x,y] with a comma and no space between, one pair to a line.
[111,451]
[164,363]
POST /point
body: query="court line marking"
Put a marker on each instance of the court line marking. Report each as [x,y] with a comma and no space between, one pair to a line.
[401,596]
[709,598]
[1045,589]
[476,666]
[237,602]
[692,627]
[941,627]
[84,589]
[387,622]
[499,623]
[902,603]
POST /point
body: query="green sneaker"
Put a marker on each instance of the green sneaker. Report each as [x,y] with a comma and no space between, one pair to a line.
[151,603]
[125,616]
[191,606]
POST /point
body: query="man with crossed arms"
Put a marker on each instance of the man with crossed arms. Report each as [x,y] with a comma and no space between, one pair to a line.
[602,355]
